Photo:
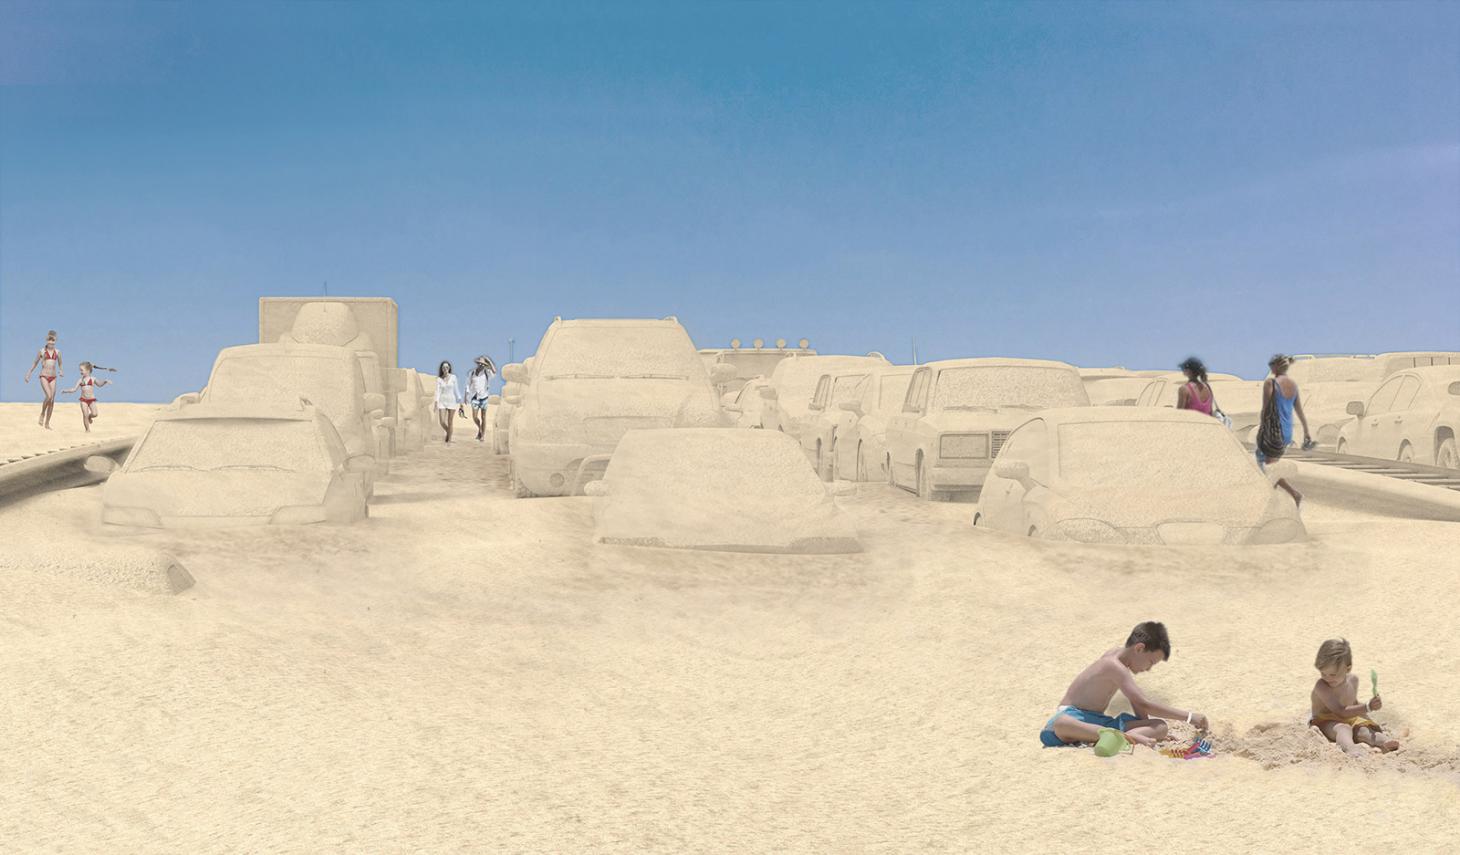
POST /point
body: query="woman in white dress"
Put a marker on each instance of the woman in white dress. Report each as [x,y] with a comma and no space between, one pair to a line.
[448,397]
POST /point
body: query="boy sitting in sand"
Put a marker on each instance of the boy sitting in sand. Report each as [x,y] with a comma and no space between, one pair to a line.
[1081,713]
[1336,711]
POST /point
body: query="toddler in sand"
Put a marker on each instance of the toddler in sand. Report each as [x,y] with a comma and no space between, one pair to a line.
[1081,713]
[1336,710]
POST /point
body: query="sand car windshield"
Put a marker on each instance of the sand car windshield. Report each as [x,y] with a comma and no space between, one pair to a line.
[752,363]
[284,380]
[213,445]
[1003,386]
[1132,454]
[847,388]
[641,353]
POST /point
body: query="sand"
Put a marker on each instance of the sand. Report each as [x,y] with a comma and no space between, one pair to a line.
[19,433]
[465,671]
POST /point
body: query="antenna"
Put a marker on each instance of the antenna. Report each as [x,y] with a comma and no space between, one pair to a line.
[915,350]
[511,350]
[326,287]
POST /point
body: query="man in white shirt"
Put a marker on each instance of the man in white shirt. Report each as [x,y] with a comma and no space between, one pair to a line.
[476,392]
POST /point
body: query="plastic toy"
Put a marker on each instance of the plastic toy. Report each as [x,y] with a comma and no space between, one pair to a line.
[1195,751]
[1111,743]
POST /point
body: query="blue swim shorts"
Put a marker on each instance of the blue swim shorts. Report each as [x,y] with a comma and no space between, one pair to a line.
[478,403]
[1047,736]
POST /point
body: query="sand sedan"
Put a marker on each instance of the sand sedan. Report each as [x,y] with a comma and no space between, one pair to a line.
[1127,475]
[222,465]
[859,440]
[1413,417]
[818,432]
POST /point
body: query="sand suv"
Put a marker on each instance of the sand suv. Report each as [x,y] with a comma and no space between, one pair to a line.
[1115,386]
[818,432]
[735,490]
[1121,475]
[328,376]
[859,441]
[786,401]
[589,382]
[958,412]
[1414,417]
[754,361]
[227,464]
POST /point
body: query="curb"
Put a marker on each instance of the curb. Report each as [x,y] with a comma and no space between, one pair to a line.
[1377,493]
[64,468]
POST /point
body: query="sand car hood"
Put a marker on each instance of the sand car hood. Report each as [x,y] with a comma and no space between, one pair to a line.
[234,493]
[970,421]
[1239,506]
[599,411]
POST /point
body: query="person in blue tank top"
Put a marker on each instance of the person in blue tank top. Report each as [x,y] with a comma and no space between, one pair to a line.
[1280,400]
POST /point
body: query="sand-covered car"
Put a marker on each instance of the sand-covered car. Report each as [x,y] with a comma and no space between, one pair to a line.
[1414,416]
[958,412]
[859,443]
[328,376]
[1240,399]
[236,464]
[745,405]
[1122,475]
[786,402]
[589,382]
[1115,386]
[819,432]
[734,490]
[748,362]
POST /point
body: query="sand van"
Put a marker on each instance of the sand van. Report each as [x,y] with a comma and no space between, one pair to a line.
[589,382]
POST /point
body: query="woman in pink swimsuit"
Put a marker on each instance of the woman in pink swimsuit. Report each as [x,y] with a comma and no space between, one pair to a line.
[1197,393]
[49,359]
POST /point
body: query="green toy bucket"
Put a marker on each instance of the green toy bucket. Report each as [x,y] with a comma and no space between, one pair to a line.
[1111,743]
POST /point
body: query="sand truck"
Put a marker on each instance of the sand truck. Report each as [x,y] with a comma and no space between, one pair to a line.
[589,382]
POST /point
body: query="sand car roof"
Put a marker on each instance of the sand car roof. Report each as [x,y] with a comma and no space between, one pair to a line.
[260,411]
[995,361]
[1434,373]
[334,351]
[618,322]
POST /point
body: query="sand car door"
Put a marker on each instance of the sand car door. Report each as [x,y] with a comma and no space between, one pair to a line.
[1009,506]
[1407,421]
[1374,436]
[848,428]
[902,430]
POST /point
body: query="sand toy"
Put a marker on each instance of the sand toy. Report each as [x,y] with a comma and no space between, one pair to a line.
[1196,750]
[1111,743]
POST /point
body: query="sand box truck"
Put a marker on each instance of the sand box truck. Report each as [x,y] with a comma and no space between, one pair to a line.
[589,382]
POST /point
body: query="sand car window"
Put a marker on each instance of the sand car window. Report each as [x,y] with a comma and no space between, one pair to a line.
[847,388]
[213,445]
[893,390]
[1124,454]
[1408,390]
[916,392]
[639,353]
[818,398]
[1383,398]
[999,386]
[285,379]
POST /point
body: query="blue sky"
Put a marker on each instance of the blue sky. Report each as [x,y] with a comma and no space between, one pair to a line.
[1096,182]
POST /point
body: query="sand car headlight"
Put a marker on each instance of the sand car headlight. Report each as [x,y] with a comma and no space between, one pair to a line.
[1281,530]
[963,445]
[1087,530]
[131,516]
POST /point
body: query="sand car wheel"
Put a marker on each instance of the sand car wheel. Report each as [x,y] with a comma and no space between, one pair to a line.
[1406,453]
[925,491]
[1447,456]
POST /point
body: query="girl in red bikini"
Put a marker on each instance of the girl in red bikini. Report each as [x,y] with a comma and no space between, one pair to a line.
[49,359]
[87,384]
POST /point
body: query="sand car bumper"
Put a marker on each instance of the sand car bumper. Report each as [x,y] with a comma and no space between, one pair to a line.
[963,476]
[551,469]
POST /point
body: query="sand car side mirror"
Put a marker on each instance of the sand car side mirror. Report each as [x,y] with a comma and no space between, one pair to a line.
[1355,408]
[1454,388]
[186,398]
[374,401]
[721,373]
[98,465]
[513,372]
[597,489]
[1015,470]
[360,463]
[851,406]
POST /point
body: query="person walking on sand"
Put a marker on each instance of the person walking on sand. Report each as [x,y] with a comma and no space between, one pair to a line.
[49,359]
[1197,393]
[1275,427]
[476,392]
[87,384]
[448,398]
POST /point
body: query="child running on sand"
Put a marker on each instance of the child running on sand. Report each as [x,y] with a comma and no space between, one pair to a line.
[1336,711]
[1081,713]
[87,384]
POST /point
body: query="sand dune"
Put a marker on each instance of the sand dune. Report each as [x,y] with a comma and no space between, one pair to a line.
[467,671]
